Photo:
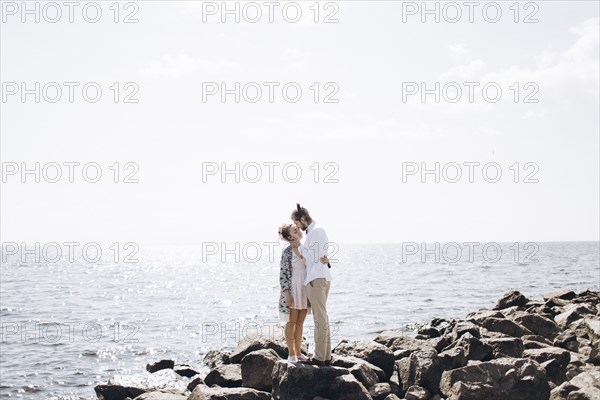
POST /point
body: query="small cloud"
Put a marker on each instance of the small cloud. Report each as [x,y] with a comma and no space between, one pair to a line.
[457,49]
[464,71]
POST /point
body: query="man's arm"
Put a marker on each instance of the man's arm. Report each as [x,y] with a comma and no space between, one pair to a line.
[319,247]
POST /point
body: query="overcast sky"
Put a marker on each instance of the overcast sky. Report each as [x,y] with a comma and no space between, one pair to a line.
[362,140]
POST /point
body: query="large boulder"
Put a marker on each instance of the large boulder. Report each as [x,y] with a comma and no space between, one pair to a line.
[474,348]
[560,294]
[505,347]
[380,391]
[375,353]
[421,368]
[478,316]
[117,392]
[203,392]
[505,326]
[417,393]
[305,382]
[588,384]
[366,373]
[214,358]
[228,375]
[501,379]
[398,341]
[453,358]
[539,325]
[511,299]
[159,365]
[567,339]
[257,369]
[120,387]
[561,356]
[592,327]
[185,370]
[561,392]
[161,395]
[248,345]
[572,313]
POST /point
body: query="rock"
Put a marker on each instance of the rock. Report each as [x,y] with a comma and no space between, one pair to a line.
[478,316]
[120,387]
[501,379]
[422,368]
[194,382]
[539,325]
[474,348]
[401,353]
[397,340]
[506,326]
[304,382]
[533,344]
[571,313]
[228,375]
[162,364]
[505,347]
[185,370]
[453,358]
[346,387]
[510,299]
[567,340]
[160,395]
[214,358]
[554,371]
[117,392]
[561,356]
[462,327]
[257,369]
[593,328]
[365,372]
[536,338]
[561,294]
[380,391]
[588,383]
[594,357]
[562,391]
[203,392]
[417,393]
[248,345]
[375,353]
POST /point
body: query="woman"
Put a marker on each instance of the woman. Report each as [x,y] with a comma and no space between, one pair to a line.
[293,302]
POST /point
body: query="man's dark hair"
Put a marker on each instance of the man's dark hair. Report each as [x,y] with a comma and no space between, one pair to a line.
[300,212]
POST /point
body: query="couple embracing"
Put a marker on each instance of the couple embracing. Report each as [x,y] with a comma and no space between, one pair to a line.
[305,279]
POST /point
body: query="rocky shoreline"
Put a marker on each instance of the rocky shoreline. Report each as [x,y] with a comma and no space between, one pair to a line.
[522,349]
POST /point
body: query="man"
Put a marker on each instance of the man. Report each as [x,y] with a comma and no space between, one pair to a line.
[318,281]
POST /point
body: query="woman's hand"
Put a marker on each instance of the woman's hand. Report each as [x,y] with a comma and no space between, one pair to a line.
[325,260]
[288,298]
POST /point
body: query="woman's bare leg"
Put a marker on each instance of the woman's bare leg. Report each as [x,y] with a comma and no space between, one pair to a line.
[298,333]
[290,331]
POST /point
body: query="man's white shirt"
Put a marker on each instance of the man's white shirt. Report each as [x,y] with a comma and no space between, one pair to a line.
[315,247]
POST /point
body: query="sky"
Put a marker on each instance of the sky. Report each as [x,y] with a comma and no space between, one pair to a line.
[369,134]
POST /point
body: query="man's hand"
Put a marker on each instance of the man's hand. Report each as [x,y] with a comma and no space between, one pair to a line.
[324,260]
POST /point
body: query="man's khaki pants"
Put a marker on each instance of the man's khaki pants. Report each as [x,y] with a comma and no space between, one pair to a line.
[317,291]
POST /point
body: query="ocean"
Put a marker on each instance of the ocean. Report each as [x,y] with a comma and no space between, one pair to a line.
[68,326]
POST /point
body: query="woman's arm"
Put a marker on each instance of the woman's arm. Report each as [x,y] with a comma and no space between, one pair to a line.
[285,269]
